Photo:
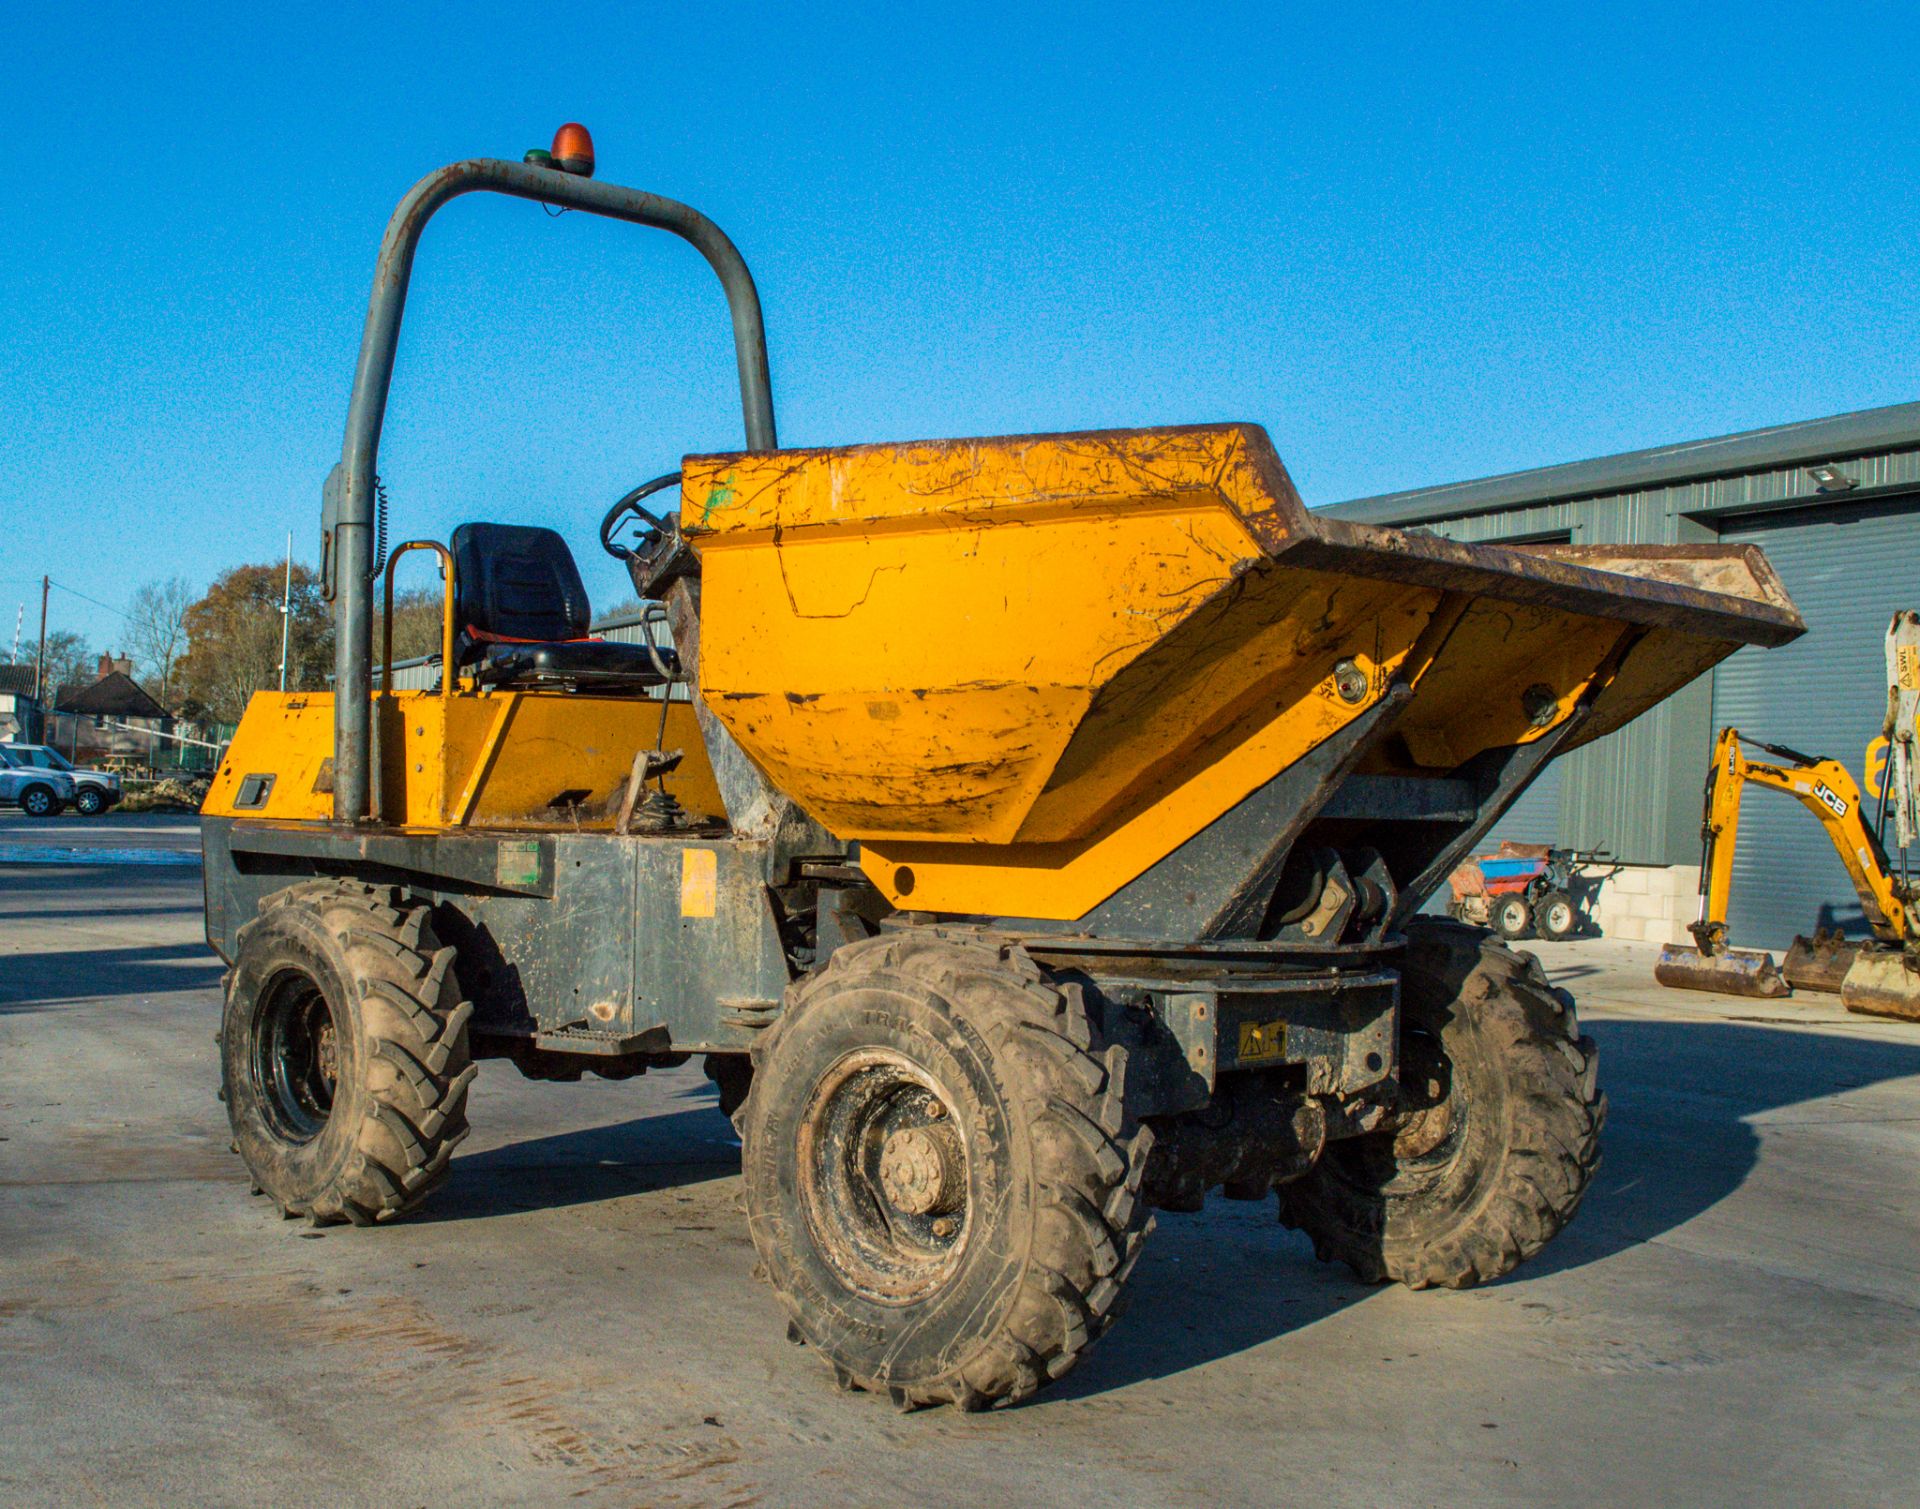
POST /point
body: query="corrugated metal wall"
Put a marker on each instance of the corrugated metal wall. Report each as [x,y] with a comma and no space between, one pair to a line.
[1848,567]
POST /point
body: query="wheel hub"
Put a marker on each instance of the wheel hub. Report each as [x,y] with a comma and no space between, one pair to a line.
[920,1170]
[1428,1083]
[326,1055]
[296,1056]
[884,1177]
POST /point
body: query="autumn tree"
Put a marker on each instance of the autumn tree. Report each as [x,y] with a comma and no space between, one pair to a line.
[156,634]
[233,640]
[417,625]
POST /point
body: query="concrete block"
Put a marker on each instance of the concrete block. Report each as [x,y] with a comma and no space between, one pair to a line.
[1632,881]
[1682,908]
[1627,929]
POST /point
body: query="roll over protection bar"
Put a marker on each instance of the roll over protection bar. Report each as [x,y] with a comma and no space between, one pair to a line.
[347,567]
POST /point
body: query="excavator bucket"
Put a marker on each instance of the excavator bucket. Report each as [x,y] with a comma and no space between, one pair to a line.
[1730,972]
[1821,962]
[1883,982]
[1022,672]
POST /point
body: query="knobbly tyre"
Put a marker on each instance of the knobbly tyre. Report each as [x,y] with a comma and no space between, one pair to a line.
[1026,833]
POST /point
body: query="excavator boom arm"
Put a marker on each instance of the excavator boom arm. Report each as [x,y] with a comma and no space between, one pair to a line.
[1827,790]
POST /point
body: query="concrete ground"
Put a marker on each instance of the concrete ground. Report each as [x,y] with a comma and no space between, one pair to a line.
[1733,1318]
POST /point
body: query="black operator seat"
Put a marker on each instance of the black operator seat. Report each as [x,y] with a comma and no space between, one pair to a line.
[523,617]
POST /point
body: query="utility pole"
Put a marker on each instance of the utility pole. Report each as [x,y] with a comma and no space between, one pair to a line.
[286,612]
[40,662]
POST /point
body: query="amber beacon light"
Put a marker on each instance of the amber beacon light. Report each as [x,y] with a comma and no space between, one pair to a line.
[572,151]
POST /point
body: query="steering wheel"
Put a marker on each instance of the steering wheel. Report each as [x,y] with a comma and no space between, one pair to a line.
[628,508]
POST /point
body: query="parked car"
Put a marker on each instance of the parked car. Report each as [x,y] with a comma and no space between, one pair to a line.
[93,791]
[36,792]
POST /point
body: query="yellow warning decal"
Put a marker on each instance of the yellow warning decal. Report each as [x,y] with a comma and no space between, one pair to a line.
[1908,659]
[699,883]
[1262,1040]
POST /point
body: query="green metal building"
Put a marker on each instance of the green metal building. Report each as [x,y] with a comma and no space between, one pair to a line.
[1835,503]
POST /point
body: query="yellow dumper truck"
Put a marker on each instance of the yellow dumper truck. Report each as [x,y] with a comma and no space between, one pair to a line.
[1026,833]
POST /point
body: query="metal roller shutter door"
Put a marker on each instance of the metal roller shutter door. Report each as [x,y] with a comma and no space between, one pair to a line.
[1848,567]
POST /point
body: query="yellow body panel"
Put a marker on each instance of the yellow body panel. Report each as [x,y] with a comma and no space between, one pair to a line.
[476,759]
[1021,671]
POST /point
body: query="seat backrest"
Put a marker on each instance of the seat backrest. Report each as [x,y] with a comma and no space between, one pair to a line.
[516,581]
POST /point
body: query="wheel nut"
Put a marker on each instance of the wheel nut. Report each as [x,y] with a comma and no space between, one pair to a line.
[944,1227]
[936,1111]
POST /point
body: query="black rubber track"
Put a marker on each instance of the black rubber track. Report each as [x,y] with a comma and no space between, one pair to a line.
[1070,1235]
[401,1104]
[1533,1112]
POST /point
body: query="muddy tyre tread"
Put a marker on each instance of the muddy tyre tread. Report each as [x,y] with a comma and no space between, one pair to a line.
[1556,1114]
[1089,1223]
[414,1026]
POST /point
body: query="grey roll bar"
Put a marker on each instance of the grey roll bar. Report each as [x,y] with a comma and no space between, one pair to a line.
[347,544]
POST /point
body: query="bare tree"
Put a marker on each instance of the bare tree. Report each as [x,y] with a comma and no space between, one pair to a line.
[157,633]
[417,625]
[70,662]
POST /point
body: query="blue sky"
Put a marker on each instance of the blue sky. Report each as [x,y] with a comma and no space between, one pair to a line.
[1418,243]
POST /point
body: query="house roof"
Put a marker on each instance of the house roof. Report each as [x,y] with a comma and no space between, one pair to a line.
[115,696]
[17,679]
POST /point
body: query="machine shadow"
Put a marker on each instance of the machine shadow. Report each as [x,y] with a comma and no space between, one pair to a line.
[1677,1143]
[1678,1138]
[661,1151]
[1230,1278]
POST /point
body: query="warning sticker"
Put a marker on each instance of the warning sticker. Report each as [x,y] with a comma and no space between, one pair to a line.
[1262,1040]
[699,882]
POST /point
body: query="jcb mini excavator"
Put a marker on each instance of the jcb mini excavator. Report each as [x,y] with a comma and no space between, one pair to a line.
[1025,832]
[1879,976]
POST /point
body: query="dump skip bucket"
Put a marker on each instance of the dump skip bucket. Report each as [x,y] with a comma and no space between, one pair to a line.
[1022,672]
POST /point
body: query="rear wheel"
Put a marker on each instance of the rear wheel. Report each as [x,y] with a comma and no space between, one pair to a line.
[344,1052]
[39,801]
[942,1178]
[1505,1140]
[1555,916]
[1512,917]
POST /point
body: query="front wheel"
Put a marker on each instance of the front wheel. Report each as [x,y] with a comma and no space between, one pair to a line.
[344,1053]
[1505,1137]
[1556,917]
[942,1177]
[90,802]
